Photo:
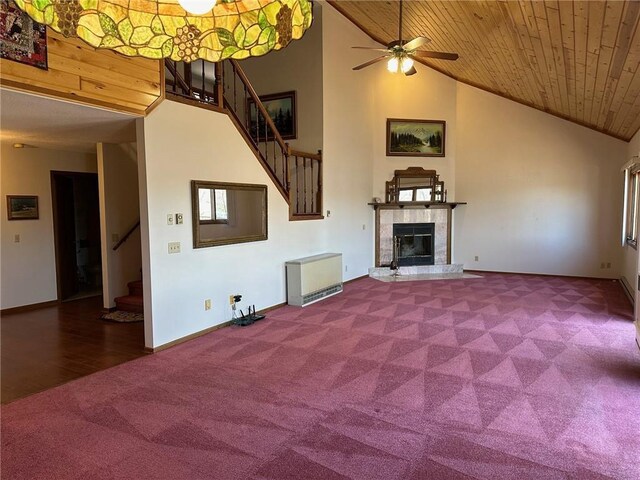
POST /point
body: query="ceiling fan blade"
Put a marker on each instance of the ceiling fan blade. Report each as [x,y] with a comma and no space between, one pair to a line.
[416,43]
[370,62]
[373,48]
[439,55]
[411,71]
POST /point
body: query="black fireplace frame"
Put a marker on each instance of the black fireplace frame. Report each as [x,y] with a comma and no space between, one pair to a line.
[412,230]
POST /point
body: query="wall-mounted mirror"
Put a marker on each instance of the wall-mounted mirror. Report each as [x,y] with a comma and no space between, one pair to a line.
[415,184]
[225,213]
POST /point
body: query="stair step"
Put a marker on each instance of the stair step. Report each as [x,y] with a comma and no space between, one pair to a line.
[130,303]
[135,288]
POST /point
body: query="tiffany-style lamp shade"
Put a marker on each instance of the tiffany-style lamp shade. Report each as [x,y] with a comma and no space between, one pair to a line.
[162,28]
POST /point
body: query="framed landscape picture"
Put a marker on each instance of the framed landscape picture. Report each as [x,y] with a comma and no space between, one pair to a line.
[415,138]
[21,39]
[282,110]
[22,207]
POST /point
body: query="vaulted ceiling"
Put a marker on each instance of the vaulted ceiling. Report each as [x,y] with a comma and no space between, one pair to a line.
[577,60]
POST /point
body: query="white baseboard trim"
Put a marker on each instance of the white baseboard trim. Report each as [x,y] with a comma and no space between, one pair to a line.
[628,290]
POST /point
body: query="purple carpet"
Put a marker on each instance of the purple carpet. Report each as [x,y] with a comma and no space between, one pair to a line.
[504,377]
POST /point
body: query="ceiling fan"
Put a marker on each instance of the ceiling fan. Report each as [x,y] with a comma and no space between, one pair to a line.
[401,54]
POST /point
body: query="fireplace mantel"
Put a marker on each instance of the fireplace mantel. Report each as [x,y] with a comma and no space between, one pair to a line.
[439,213]
[395,205]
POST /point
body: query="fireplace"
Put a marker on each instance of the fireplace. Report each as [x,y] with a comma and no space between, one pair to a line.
[414,243]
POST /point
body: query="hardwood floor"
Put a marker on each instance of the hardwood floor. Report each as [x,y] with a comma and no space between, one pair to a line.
[51,346]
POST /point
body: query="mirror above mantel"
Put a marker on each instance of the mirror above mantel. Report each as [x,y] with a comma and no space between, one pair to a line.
[415,187]
[415,184]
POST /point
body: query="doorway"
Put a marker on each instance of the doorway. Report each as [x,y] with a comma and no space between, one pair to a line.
[76,221]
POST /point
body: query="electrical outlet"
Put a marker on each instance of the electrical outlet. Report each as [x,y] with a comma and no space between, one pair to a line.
[179,219]
[476,258]
[608,264]
[207,304]
[231,300]
[174,247]
[328,213]
[364,226]
[170,219]
[602,265]
[16,238]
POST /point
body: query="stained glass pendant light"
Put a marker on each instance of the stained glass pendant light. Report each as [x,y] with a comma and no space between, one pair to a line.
[165,29]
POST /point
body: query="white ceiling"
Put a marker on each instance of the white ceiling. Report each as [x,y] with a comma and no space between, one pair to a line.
[47,123]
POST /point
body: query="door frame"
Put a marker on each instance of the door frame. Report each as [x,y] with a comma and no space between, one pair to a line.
[56,233]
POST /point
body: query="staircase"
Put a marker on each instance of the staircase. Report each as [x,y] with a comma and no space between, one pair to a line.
[224,87]
[133,302]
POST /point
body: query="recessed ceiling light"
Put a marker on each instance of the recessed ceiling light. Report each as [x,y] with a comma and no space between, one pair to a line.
[19,145]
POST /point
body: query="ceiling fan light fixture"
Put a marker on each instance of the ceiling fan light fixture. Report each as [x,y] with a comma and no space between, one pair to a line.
[197,7]
[406,64]
[393,64]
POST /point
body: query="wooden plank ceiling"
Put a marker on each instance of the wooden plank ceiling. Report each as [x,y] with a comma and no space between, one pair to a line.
[577,60]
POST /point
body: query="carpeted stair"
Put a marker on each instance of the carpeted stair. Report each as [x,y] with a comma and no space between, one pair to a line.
[133,302]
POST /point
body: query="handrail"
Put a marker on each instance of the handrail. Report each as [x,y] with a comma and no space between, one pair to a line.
[260,106]
[126,236]
[300,153]
[297,174]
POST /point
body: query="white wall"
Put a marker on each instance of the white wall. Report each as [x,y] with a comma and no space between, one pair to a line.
[297,67]
[28,268]
[119,211]
[183,143]
[545,195]
[427,95]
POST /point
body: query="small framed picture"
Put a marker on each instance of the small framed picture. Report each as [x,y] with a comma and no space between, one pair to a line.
[415,138]
[282,110]
[22,207]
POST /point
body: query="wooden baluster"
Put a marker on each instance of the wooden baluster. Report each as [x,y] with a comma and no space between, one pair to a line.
[313,203]
[219,84]
[288,173]
[188,79]
[304,184]
[266,139]
[275,159]
[235,76]
[297,185]
[204,85]
[285,178]
[320,184]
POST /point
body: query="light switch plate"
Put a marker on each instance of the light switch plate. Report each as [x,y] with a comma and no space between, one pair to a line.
[179,219]
[174,247]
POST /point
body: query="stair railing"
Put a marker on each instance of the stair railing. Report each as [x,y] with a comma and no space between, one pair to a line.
[196,81]
[126,236]
[306,185]
[225,86]
[253,120]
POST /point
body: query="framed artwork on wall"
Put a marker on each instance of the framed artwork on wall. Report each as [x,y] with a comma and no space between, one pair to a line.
[282,110]
[415,138]
[21,39]
[22,207]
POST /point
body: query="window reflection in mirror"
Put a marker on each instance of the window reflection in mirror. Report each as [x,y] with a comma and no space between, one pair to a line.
[226,213]
[213,205]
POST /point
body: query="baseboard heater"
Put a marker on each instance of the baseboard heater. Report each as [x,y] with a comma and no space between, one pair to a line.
[313,278]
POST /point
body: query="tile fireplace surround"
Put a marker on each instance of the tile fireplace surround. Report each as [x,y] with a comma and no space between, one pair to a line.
[389,213]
